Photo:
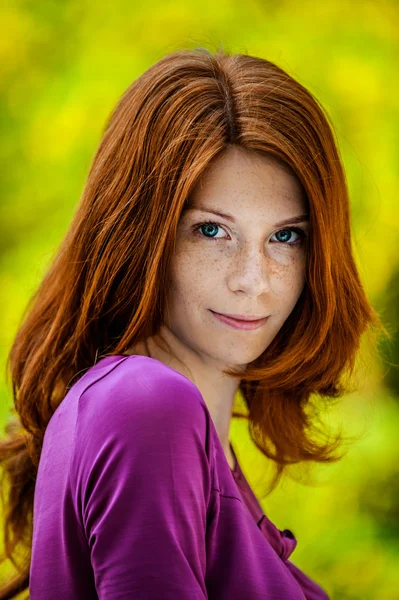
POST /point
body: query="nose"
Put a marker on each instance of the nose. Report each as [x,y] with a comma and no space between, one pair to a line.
[250,272]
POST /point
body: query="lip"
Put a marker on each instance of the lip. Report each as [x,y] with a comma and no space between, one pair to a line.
[240,324]
[243,317]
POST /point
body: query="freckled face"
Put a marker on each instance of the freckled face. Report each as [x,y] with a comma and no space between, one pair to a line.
[249,266]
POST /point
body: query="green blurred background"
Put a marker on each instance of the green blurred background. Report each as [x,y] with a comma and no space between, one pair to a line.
[63,67]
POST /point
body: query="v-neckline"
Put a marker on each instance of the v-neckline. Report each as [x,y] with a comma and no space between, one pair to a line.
[284,542]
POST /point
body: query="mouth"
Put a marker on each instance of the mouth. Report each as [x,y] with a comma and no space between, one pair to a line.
[240,323]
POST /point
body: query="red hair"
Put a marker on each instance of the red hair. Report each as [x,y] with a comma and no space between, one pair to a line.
[105,289]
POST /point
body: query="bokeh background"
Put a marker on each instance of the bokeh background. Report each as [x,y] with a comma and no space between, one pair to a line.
[63,67]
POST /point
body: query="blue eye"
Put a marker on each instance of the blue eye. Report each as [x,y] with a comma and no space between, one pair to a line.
[288,232]
[210,227]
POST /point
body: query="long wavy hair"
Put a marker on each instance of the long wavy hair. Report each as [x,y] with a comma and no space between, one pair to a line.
[105,288]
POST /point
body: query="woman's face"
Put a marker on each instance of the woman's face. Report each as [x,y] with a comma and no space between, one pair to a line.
[249,264]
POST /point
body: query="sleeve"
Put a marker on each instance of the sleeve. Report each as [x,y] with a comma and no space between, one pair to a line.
[142,487]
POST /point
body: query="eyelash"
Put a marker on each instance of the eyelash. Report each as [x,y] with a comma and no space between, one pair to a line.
[297,230]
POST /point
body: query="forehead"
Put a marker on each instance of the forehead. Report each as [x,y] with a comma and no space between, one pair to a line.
[241,177]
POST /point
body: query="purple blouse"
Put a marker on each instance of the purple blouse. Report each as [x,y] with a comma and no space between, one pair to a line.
[134,498]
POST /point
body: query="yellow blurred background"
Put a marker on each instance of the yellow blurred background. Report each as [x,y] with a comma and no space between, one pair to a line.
[63,67]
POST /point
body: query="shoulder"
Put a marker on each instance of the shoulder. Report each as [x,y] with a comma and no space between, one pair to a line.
[142,431]
[141,391]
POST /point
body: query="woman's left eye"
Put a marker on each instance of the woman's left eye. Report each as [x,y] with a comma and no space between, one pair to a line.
[299,232]
[286,234]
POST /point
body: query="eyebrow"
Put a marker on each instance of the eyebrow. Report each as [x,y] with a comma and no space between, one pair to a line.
[298,219]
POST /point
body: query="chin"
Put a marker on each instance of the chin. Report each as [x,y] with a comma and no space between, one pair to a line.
[236,358]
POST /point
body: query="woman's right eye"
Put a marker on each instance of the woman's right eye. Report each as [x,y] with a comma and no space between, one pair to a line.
[209,228]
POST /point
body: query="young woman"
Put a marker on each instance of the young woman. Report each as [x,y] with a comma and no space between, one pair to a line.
[210,256]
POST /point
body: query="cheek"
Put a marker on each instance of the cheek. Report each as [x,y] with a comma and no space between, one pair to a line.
[191,274]
[288,278]
[196,275]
